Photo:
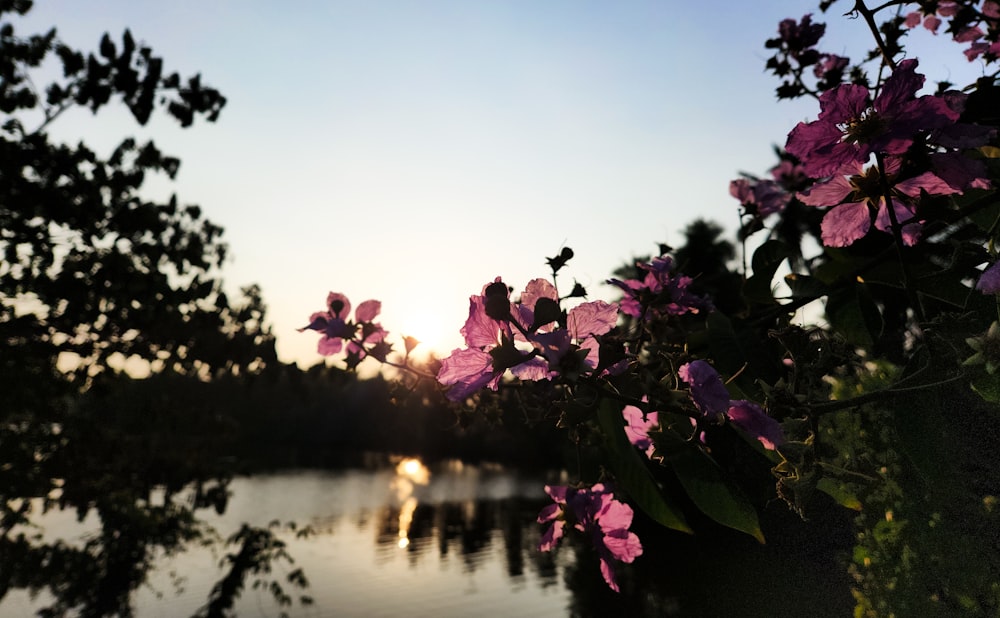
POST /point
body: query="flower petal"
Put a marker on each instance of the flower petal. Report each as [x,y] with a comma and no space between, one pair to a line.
[367,311]
[707,390]
[338,304]
[467,371]
[480,330]
[749,417]
[989,281]
[593,318]
[845,224]
[829,193]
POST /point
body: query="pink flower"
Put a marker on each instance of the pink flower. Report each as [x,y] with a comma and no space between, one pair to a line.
[712,399]
[554,514]
[969,35]
[615,542]
[539,314]
[708,392]
[481,330]
[660,292]
[761,197]
[594,512]
[466,371]
[851,126]
[802,35]
[989,281]
[587,321]
[914,19]
[960,172]
[537,290]
[971,29]
[496,326]
[749,417]
[593,318]
[789,175]
[830,68]
[856,193]
[336,328]
[490,342]
[948,8]
[637,427]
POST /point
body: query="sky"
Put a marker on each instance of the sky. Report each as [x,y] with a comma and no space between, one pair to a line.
[410,151]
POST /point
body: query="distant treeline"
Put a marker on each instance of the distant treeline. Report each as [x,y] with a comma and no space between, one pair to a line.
[319,417]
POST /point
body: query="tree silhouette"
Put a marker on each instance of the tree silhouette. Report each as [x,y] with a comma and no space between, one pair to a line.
[96,279]
[91,270]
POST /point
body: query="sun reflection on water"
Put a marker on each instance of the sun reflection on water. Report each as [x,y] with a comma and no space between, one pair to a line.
[410,471]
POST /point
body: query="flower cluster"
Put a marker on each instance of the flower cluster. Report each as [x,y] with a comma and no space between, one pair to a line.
[660,292]
[796,43]
[711,398]
[336,328]
[761,197]
[966,26]
[638,424]
[597,514]
[851,127]
[531,339]
[856,191]
[879,158]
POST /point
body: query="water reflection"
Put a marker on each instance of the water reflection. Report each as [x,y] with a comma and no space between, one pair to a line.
[410,471]
[397,539]
[405,538]
[442,541]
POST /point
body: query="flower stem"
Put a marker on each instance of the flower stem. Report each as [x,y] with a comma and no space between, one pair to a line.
[897,234]
[869,16]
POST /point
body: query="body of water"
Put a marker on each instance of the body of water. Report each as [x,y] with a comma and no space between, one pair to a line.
[459,540]
[404,541]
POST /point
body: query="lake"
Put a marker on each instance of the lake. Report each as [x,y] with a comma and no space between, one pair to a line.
[460,540]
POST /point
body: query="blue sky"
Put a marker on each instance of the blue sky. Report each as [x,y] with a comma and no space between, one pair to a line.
[412,151]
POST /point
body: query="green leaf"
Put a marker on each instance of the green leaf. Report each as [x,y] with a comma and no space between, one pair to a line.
[946,287]
[987,386]
[724,346]
[804,286]
[736,349]
[839,493]
[631,472]
[841,264]
[988,218]
[766,260]
[705,484]
[853,313]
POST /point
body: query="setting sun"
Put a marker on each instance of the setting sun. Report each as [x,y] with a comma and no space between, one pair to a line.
[436,332]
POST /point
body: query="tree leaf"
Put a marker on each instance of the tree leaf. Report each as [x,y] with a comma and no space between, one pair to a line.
[734,347]
[853,313]
[987,218]
[839,493]
[706,485]
[804,286]
[766,260]
[946,287]
[987,386]
[631,472]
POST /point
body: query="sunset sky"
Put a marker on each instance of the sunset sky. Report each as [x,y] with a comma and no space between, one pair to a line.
[412,151]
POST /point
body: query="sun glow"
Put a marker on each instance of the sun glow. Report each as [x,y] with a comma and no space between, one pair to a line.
[410,472]
[414,471]
[435,333]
